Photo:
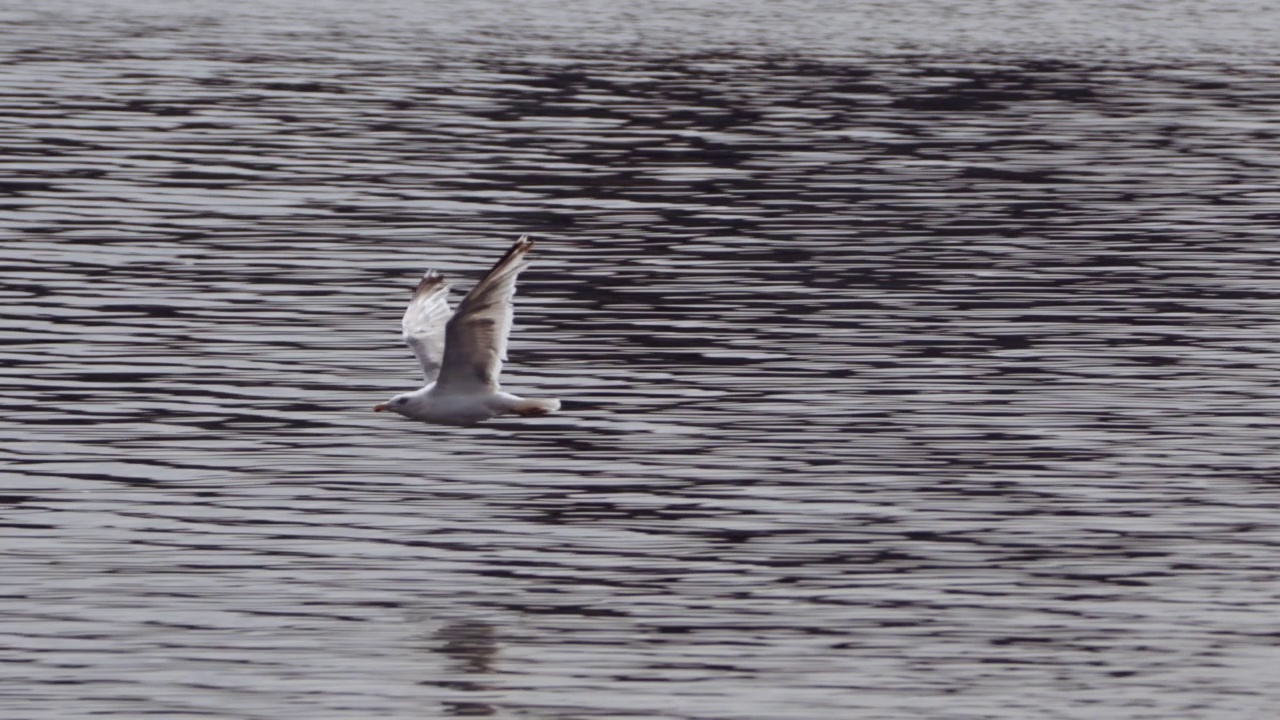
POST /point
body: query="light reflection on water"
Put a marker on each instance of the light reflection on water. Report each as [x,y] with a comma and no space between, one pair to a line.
[904,383]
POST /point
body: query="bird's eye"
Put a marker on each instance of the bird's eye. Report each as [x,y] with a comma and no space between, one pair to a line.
[401,401]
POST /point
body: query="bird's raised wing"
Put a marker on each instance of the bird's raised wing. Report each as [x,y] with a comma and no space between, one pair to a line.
[476,335]
[424,322]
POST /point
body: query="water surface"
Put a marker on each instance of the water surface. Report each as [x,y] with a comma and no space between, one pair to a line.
[915,363]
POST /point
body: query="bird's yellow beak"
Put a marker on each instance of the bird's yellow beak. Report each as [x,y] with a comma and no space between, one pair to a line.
[379,407]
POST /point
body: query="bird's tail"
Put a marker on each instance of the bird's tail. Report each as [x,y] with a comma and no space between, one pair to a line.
[530,406]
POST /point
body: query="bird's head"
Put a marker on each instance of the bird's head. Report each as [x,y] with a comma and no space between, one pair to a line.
[399,404]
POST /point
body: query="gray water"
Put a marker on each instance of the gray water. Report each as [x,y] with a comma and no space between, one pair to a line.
[917,362]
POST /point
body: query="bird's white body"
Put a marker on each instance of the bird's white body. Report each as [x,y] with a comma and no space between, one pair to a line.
[462,353]
[448,408]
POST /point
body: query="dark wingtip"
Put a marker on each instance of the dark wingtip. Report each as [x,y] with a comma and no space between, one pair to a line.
[430,281]
[519,247]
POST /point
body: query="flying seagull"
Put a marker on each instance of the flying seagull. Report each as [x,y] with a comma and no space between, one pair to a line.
[462,355]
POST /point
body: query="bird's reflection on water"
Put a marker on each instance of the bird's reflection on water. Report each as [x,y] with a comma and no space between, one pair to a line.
[473,648]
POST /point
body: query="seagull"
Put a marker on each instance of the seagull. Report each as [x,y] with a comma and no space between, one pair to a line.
[462,355]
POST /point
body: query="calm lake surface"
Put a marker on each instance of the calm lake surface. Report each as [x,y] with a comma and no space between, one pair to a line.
[917,362]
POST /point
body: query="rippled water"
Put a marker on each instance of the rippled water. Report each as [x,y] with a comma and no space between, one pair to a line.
[916,362]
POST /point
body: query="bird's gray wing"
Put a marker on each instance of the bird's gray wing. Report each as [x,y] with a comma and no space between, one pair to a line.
[424,323]
[476,335]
